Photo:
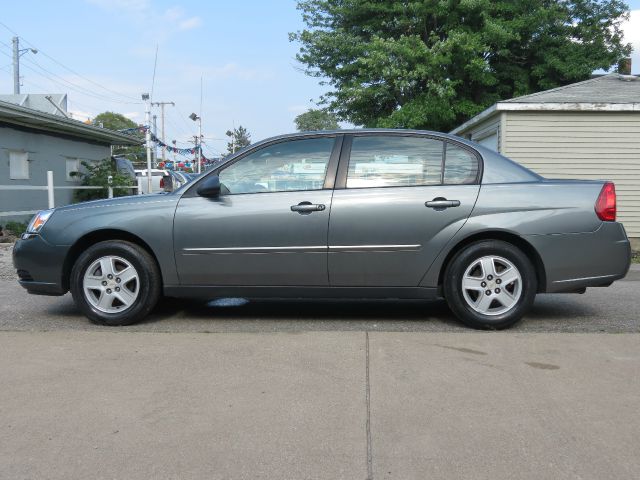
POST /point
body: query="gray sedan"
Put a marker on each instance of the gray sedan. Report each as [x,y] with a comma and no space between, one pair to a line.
[357,214]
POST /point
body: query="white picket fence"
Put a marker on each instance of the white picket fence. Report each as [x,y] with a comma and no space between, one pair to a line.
[51,188]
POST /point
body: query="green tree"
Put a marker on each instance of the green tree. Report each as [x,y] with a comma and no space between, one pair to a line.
[117,121]
[96,174]
[239,138]
[316,120]
[434,64]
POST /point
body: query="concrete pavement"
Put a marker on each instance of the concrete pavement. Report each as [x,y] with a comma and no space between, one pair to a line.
[326,405]
[176,406]
[484,406]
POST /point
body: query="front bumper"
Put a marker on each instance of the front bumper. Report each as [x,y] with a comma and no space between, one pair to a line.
[579,260]
[40,265]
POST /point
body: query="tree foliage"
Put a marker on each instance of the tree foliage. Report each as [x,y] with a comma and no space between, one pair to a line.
[434,64]
[117,121]
[96,174]
[316,120]
[239,138]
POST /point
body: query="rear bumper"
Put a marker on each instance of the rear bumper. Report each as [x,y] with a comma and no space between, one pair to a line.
[576,261]
[40,265]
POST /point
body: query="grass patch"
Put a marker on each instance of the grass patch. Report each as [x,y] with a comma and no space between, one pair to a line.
[635,257]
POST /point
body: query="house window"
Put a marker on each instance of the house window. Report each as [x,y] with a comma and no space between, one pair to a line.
[18,165]
[73,165]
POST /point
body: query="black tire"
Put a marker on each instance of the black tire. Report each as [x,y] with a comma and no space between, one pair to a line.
[453,291]
[148,288]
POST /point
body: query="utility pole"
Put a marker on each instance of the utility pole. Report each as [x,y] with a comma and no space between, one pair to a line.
[164,140]
[147,136]
[155,145]
[195,150]
[16,65]
[17,53]
[198,143]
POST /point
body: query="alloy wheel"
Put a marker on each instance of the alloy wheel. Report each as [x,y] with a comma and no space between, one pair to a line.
[111,284]
[492,285]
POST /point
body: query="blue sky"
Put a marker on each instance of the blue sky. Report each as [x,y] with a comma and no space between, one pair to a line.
[240,49]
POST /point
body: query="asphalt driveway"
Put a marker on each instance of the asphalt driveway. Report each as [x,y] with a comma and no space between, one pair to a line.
[321,390]
[615,309]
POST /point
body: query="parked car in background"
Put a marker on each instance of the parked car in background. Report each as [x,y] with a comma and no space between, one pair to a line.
[174,180]
[156,180]
[351,213]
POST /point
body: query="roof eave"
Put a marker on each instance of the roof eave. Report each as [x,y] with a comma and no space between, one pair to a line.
[570,106]
[545,107]
[488,113]
[29,118]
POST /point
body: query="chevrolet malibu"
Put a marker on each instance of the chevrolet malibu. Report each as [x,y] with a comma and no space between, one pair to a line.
[345,214]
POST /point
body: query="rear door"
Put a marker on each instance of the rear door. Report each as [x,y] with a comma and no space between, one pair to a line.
[398,200]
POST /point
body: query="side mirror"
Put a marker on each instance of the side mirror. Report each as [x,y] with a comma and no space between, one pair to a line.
[210,187]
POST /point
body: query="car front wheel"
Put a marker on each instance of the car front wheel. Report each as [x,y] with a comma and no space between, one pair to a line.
[115,283]
[490,284]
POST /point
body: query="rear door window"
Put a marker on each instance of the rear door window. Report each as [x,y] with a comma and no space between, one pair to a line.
[394,161]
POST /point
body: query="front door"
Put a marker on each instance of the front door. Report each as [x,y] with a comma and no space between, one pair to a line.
[269,225]
[403,199]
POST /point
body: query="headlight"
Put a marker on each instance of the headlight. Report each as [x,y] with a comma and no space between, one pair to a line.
[38,221]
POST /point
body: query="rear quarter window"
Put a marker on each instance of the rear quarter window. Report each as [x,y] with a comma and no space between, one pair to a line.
[460,167]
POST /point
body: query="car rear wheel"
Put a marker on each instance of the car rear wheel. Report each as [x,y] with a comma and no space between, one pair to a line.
[115,283]
[490,284]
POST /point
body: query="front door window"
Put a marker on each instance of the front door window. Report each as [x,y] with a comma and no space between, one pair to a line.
[297,165]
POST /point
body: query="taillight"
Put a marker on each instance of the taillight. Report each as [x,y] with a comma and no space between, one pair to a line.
[162,183]
[606,203]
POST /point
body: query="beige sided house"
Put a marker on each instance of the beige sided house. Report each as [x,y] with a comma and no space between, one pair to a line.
[586,130]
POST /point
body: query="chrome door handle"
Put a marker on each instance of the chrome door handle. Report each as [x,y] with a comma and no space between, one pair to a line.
[440,203]
[304,208]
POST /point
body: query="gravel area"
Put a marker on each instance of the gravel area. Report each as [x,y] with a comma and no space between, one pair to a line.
[6,265]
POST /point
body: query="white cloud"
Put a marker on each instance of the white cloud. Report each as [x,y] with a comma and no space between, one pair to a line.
[147,16]
[130,6]
[173,14]
[80,115]
[189,23]
[231,70]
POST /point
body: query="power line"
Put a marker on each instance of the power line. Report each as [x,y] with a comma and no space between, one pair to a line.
[78,88]
[184,117]
[64,83]
[67,68]
[177,131]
